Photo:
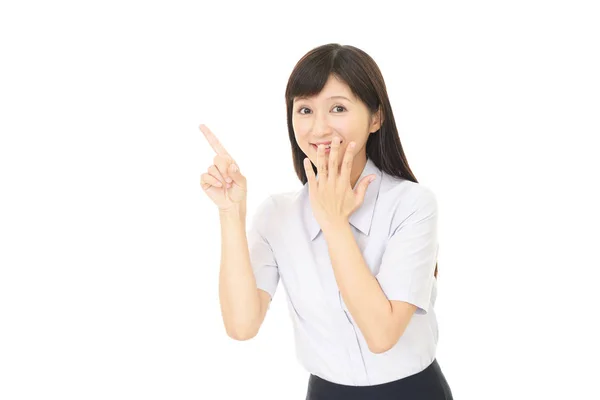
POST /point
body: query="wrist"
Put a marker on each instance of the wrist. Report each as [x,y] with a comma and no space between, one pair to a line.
[335,226]
[233,212]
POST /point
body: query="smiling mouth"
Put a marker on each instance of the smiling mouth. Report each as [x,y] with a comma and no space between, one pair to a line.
[327,147]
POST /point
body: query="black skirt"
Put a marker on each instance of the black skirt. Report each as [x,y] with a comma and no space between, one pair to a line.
[429,384]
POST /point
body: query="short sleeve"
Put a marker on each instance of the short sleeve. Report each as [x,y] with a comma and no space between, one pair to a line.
[408,262]
[262,258]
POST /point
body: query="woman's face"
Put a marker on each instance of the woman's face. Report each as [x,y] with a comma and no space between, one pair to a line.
[335,111]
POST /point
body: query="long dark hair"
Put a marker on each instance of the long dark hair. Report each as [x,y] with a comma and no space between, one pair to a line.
[360,72]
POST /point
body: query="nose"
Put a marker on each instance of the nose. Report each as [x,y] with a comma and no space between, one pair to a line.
[321,125]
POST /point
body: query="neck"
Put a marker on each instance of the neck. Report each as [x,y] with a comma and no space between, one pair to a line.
[358,166]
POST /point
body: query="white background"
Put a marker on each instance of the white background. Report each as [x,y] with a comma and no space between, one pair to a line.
[110,251]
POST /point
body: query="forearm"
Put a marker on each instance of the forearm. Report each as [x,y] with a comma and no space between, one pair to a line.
[238,292]
[360,290]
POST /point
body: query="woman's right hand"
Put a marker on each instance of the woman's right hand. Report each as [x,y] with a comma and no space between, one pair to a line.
[226,195]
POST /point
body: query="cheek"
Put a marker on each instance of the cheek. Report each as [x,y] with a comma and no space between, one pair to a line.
[345,128]
[352,130]
[301,134]
[300,127]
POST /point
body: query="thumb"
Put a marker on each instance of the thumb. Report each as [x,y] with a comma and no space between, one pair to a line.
[362,187]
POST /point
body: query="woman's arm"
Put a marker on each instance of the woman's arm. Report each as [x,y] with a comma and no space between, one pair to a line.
[242,307]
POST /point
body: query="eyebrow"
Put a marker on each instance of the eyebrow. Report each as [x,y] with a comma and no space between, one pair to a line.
[329,98]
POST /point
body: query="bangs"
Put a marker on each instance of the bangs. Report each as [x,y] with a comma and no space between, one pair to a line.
[312,72]
[308,80]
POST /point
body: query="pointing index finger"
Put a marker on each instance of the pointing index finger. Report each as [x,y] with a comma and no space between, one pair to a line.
[213,141]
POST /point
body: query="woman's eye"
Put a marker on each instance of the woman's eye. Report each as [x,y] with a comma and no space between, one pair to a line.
[305,108]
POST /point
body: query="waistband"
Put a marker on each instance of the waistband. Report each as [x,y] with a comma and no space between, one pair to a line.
[427,384]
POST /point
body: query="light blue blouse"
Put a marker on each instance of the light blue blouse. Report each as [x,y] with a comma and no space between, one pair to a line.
[396,230]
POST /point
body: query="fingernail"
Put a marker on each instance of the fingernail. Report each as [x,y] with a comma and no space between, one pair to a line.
[233,168]
[218,184]
[372,179]
[228,180]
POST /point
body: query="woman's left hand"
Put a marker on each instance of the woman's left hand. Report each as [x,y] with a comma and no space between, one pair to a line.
[332,198]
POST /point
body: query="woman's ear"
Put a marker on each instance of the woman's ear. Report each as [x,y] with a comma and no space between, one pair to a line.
[376,121]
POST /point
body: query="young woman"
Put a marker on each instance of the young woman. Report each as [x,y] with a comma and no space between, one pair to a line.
[356,248]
